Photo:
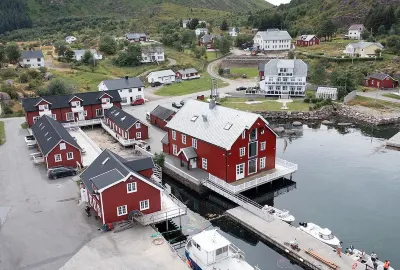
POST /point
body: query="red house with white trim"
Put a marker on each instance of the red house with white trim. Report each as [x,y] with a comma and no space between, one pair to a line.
[380,80]
[227,143]
[307,40]
[160,116]
[55,143]
[70,108]
[125,124]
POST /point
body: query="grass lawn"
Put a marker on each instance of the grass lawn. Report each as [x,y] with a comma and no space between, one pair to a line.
[392,96]
[371,103]
[185,59]
[330,48]
[2,133]
[265,105]
[83,81]
[249,71]
[188,87]
[212,55]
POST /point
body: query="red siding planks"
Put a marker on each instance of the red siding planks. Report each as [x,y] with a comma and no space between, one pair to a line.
[77,158]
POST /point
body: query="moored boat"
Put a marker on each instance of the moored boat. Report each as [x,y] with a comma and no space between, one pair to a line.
[363,257]
[280,214]
[322,234]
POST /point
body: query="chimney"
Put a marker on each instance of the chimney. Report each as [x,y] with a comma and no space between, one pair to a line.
[126,77]
[212,104]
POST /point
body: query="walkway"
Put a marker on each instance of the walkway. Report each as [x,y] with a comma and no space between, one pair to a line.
[380,96]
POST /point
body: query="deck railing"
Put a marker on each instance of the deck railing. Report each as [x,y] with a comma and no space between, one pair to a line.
[119,138]
[82,123]
[91,142]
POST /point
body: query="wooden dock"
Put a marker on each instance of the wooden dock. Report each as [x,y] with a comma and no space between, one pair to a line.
[313,254]
[394,141]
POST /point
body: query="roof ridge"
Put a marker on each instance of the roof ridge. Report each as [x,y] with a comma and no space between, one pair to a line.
[50,122]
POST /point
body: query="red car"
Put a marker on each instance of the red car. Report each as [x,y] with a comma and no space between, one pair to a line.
[138,101]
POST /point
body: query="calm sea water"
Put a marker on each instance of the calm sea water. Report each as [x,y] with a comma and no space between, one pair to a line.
[347,181]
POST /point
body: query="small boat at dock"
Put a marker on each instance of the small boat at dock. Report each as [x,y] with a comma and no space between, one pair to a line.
[283,215]
[209,250]
[363,257]
[322,234]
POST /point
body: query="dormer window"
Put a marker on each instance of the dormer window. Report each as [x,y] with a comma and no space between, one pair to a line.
[43,107]
[105,100]
[76,103]
[194,118]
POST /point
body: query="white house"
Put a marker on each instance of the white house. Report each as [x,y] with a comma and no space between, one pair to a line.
[129,89]
[284,77]
[32,59]
[362,49]
[185,23]
[70,39]
[326,92]
[233,31]
[162,76]
[355,31]
[201,31]
[78,54]
[152,54]
[273,40]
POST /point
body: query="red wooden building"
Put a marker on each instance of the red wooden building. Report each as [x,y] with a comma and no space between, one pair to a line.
[57,146]
[380,80]
[226,143]
[125,124]
[160,116]
[261,68]
[208,41]
[307,40]
[70,108]
[114,187]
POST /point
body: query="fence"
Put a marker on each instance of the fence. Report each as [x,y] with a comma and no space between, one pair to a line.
[349,97]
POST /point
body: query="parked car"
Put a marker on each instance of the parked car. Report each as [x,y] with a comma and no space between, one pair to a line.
[138,101]
[154,84]
[241,88]
[182,102]
[176,105]
[30,140]
[61,172]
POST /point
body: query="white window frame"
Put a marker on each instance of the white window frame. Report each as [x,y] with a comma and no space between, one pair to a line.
[57,158]
[54,116]
[44,107]
[97,112]
[244,134]
[124,210]
[76,103]
[131,187]
[262,162]
[138,135]
[137,125]
[263,146]
[204,163]
[194,143]
[145,207]
[70,157]
[105,100]
[69,116]
[35,118]
[173,133]
[183,138]
[174,149]
[62,146]
[85,113]
[242,151]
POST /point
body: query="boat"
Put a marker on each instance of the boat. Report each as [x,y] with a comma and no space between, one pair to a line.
[363,257]
[209,250]
[322,234]
[280,214]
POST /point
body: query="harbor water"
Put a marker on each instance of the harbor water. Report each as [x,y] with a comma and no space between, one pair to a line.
[347,181]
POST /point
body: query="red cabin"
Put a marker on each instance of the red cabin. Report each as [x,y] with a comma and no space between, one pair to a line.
[226,143]
[160,116]
[307,40]
[126,125]
[70,108]
[380,80]
[57,146]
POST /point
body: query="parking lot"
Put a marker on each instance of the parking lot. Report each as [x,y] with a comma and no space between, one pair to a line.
[42,225]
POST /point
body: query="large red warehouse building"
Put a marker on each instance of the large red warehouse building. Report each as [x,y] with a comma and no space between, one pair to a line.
[227,143]
[380,80]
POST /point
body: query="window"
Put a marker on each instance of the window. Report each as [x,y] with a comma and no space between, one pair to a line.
[173,134]
[244,134]
[122,210]
[54,116]
[44,107]
[57,158]
[160,57]
[76,103]
[62,146]
[194,143]
[221,250]
[131,187]
[183,139]
[138,135]
[253,134]
[139,89]
[138,96]
[85,113]
[39,59]
[174,149]
[70,155]
[252,149]
[35,118]
[130,90]
[144,205]
[262,163]
[242,151]
[204,163]
[252,166]
[69,116]
[39,65]
[105,100]
[137,125]
[28,60]
[99,112]
[124,100]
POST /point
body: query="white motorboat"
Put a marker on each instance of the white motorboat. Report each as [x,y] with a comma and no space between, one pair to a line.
[209,250]
[280,214]
[363,257]
[322,234]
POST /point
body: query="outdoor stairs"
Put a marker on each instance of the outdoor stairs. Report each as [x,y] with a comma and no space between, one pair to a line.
[239,199]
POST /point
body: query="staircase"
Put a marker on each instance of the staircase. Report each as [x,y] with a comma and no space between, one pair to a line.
[239,199]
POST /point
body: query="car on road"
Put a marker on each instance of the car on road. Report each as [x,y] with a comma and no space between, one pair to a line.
[30,140]
[155,84]
[59,172]
[138,101]
[176,105]
[241,88]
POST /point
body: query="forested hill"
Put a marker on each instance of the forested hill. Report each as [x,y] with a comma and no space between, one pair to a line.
[13,15]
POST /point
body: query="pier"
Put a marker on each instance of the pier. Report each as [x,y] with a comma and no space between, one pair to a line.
[394,141]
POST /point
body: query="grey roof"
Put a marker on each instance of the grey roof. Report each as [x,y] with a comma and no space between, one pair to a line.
[49,133]
[109,168]
[31,54]
[307,37]
[135,35]
[354,27]
[300,68]
[162,73]
[121,118]
[57,102]
[363,44]
[187,71]
[133,82]
[274,34]
[208,37]
[261,66]
[220,126]
[378,76]
[164,140]
[162,112]
[188,152]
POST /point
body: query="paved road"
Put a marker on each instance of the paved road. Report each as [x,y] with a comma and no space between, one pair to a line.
[44,226]
[373,94]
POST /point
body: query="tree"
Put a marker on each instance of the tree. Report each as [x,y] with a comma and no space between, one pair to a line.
[224,26]
[159,159]
[88,59]
[58,87]
[291,55]
[327,29]
[178,46]
[203,25]
[2,55]
[199,51]
[378,52]
[193,23]
[242,39]
[60,47]
[69,55]
[318,74]
[12,52]
[223,44]
[132,56]
[345,80]
[108,45]
[187,37]
[365,34]
[381,30]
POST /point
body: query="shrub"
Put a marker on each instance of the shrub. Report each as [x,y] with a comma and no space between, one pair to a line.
[159,159]
[8,73]
[314,100]
[307,100]
[23,78]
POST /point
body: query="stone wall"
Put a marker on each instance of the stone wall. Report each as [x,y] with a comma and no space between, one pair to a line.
[354,115]
[320,114]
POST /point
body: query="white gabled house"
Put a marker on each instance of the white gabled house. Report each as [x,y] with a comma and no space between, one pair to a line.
[152,54]
[70,39]
[32,59]
[201,31]
[162,76]
[78,54]
[362,49]
[272,40]
[233,31]
[129,89]
[355,31]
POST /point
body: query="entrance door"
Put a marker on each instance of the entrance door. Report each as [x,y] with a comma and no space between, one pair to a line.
[81,116]
[239,171]
[193,163]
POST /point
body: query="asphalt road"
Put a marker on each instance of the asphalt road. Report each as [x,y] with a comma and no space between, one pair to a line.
[42,225]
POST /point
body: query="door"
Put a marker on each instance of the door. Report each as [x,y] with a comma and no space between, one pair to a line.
[81,116]
[239,171]
[193,163]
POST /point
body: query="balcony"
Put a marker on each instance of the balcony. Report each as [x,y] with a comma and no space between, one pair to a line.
[77,109]
[106,106]
[45,112]
[82,123]
[119,138]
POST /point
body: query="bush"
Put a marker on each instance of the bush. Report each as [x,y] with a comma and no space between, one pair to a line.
[314,100]
[307,100]
[8,73]
[7,110]
[23,78]
[159,159]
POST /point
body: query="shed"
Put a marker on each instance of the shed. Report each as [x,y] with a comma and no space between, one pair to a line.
[327,92]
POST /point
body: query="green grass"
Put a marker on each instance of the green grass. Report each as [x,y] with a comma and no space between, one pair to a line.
[392,96]
[249,71]
[2,133]
[24,125]
[188,87]
[374,104]
[265,105]
[82,80]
